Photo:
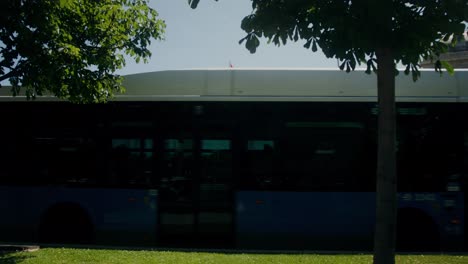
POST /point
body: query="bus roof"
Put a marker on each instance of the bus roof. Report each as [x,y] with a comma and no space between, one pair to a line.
[234,84]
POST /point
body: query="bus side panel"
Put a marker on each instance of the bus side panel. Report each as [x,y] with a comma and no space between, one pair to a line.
[301,220]
[445,209]
[119,216]
[343,220]
[122,216]
[20,213]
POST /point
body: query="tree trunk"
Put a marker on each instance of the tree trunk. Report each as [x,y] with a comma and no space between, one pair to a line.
[385,227]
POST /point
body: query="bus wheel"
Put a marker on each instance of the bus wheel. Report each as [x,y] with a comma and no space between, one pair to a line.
[66,223]
[416,231]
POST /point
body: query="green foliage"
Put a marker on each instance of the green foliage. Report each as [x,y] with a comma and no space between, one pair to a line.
[72,48]
[351,30]
[194,3]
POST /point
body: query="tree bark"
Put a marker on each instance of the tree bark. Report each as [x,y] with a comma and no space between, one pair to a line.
[386,196]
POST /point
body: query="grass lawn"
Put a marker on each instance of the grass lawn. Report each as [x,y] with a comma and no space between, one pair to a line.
[67,255]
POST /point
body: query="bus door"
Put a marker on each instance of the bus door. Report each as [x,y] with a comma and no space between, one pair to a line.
[196,206]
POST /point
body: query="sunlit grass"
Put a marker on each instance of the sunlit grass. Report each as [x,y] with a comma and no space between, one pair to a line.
[67,255]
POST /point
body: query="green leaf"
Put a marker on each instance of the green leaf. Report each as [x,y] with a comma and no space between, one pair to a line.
[284,38]
[193,3]
[446,37]
[415,73]
[352,63]
[407,69]
[242,40]
[276,40]
[314,46]
[65,3]
[296,34]
[438,66]
[448,67]
[342,65]
[369,65]
[246,24]
[252,43]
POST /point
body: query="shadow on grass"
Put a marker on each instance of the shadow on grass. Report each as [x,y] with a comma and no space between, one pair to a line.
[12,257]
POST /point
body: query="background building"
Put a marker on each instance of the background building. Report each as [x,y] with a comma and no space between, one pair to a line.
[457,56]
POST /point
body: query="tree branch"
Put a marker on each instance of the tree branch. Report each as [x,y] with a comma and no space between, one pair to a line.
[8,75]
[14,71]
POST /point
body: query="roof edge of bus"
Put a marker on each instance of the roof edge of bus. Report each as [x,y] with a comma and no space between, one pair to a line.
[258,69]
[275,83]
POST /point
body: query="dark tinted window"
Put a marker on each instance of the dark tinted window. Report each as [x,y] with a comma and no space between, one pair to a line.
[322,155]
[430,147]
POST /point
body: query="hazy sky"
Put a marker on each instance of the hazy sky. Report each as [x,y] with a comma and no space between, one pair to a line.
[207,37]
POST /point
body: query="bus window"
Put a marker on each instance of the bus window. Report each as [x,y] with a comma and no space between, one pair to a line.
[65,159]
[429,150]
[260,172]
[177,170]
[216,158]
[323,156]
[132,161]
[216,174]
